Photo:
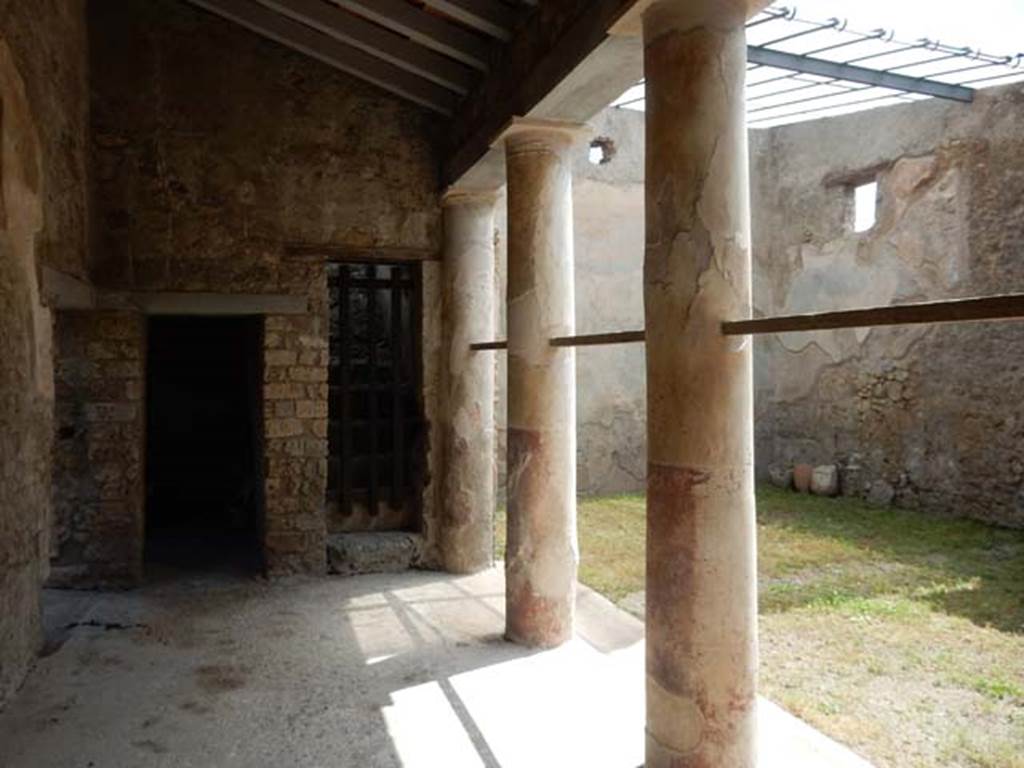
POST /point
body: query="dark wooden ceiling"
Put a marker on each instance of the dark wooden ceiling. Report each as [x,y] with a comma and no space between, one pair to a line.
[431,52]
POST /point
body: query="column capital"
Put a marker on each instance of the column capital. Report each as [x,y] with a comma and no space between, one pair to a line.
[652,17]
[526,133]
[460,195]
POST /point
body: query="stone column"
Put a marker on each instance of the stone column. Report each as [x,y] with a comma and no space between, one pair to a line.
[466,538]
[701,575]
[542,555]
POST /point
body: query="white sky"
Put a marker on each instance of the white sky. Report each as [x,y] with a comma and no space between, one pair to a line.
[995,26]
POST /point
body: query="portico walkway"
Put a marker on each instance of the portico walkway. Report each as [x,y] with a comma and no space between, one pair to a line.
[372,671]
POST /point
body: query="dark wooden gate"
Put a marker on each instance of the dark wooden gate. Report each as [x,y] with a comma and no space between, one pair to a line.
[375,410]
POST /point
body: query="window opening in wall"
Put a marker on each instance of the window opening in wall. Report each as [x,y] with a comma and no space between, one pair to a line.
[865,206]
[204,479]
[375,438]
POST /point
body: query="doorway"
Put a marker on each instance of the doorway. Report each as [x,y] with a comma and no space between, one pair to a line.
[204,484]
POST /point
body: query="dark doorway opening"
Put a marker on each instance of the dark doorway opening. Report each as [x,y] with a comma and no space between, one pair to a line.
[204,479]
[376,435]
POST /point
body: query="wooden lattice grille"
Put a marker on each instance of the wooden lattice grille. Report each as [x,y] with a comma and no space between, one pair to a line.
[374,408]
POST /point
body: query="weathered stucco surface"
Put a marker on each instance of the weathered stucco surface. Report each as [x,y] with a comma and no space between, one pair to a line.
[467,537]
[934,412]
[611,380]
[48,42]
[24,416]
[930,412]
[701,565]
[608,236]
[225,163]
[42,222]
[542,553]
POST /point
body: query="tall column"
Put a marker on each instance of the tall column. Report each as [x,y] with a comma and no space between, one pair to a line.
[701,574]
[467,534]
[542,555]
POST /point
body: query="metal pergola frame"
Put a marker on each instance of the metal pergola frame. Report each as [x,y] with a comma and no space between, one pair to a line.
[799,69]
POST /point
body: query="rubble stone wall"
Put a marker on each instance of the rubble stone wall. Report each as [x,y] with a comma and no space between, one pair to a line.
[48,44]
[225,163]
[42,223]
[295,362]
[100,449]
[928,415]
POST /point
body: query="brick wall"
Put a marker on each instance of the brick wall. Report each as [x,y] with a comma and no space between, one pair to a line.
[295,361]
[192,194]
[98,457]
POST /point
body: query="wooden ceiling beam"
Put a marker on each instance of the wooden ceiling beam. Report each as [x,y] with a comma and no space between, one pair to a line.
[492,17]
[424,28]
[561,64]
[356,62]
[371,38]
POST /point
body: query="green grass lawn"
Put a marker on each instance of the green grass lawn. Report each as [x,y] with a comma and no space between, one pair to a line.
[897,633]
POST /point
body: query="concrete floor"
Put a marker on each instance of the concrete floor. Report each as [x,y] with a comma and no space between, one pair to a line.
[390,670]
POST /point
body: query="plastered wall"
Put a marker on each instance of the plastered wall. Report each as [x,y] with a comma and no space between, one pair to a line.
[930,416]
[927,416]
[42,223]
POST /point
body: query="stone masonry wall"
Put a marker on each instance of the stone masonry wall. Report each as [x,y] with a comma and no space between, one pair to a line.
[225,163]
[928,415]
[100,449]
[24,401]
[42,215]
[608,235]
[48,41]
[295,363]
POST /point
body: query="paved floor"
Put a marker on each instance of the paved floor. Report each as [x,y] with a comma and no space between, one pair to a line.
[392,670]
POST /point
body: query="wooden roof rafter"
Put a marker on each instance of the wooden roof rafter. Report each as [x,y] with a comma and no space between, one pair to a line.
[431,52]
[479,63]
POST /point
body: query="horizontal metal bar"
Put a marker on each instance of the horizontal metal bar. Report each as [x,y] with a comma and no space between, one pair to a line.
[813,29]
[837,85]
[772,14]
[595,339]
[590,340]
[990,78]
[758,119]
[1006,307]
[835,46]
[843,92]
[853,73]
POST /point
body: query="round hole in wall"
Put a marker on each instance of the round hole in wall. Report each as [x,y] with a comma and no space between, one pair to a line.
[602,150]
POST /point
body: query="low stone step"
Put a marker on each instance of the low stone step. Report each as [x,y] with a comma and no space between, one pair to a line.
[384,552]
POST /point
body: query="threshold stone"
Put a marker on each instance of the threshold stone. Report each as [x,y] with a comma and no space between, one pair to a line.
[382,552]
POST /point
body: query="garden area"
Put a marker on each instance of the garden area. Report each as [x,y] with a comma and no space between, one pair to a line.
[898,634]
